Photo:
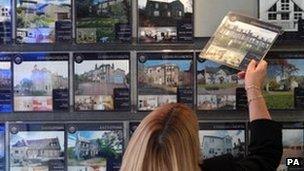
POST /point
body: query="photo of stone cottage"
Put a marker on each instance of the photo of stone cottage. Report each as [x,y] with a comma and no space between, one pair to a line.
[174,9]
[166,74]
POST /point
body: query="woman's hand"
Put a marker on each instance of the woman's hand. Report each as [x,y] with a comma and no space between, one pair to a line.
[255,74]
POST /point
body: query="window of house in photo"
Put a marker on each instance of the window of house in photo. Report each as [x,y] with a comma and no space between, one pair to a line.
[285,5]
[180,13]
[297,16]
[156,5]
[285,16]
[156,13]
[272,16]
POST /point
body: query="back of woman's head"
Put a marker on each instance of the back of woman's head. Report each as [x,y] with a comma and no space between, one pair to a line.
[166,140]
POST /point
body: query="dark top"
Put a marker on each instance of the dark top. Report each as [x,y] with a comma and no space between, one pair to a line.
[265,150]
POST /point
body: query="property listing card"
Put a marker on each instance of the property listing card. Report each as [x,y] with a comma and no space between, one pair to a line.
[102,81]
[41,82]
[239,39]
[95,146]
[37,147]
[164,78]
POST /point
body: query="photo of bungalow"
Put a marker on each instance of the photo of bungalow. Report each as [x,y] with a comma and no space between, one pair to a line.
[158,19]
[234,39]
[5,21]
[219,142]
[98,21]
[293,146]
[284,75]
[5,75]
[96,81]
[37,150]
[284,13]
[94,150]
[34,83]
[158,81]
[36,19]
[216,86]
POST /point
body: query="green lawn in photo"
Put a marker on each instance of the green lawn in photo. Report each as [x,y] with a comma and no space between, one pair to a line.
[279,99]
[217,86]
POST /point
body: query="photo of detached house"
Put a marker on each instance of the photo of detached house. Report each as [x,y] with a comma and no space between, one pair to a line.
[34,83]
[159,19]
[235,39]
[96,80]
[36,19]
[158,81]
[283,76]
[5,21]
[293,146]
[95,150]
[285,13]
[2,147]
[5,75]
[219,142]
[216,86]
[103,21]
[37,150]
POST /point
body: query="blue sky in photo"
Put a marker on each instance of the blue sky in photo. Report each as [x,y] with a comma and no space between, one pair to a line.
[203,65]
[88,135]
[299,63]
[6,3]
[183,64]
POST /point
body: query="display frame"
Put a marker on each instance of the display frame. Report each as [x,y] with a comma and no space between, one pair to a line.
[237,98]
[68,78]
[44,43]
[292,126]
[131,23]
[102,52]
[223,125]
[285,55]
[100,123]
[170,43]
[8,55]
[188,52]
[15,127]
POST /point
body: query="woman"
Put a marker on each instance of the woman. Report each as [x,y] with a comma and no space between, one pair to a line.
[167,139]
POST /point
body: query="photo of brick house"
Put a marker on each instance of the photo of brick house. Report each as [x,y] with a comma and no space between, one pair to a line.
[36,150]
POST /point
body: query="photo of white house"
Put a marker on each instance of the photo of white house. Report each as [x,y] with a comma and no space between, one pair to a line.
[284,13]
[219,142]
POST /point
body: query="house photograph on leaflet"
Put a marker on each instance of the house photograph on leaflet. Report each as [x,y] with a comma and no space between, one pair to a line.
[283,76]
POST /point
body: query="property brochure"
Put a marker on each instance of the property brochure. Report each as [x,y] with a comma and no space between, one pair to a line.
[239,39]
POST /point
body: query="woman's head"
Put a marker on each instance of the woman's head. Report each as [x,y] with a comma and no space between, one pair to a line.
[166,140]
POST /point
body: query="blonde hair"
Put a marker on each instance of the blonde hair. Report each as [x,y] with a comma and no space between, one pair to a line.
[166,140]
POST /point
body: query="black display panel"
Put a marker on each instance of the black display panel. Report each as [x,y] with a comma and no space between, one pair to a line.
[2,147]
[41,82]
[102,81]
[132,128]
[293,146]
[6,93]
[222,138]
[164,78]
[5,21]
[103,21]
[95,146]
[217,86]
[284,85]
[43,21]
[37,147]
[165,21]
